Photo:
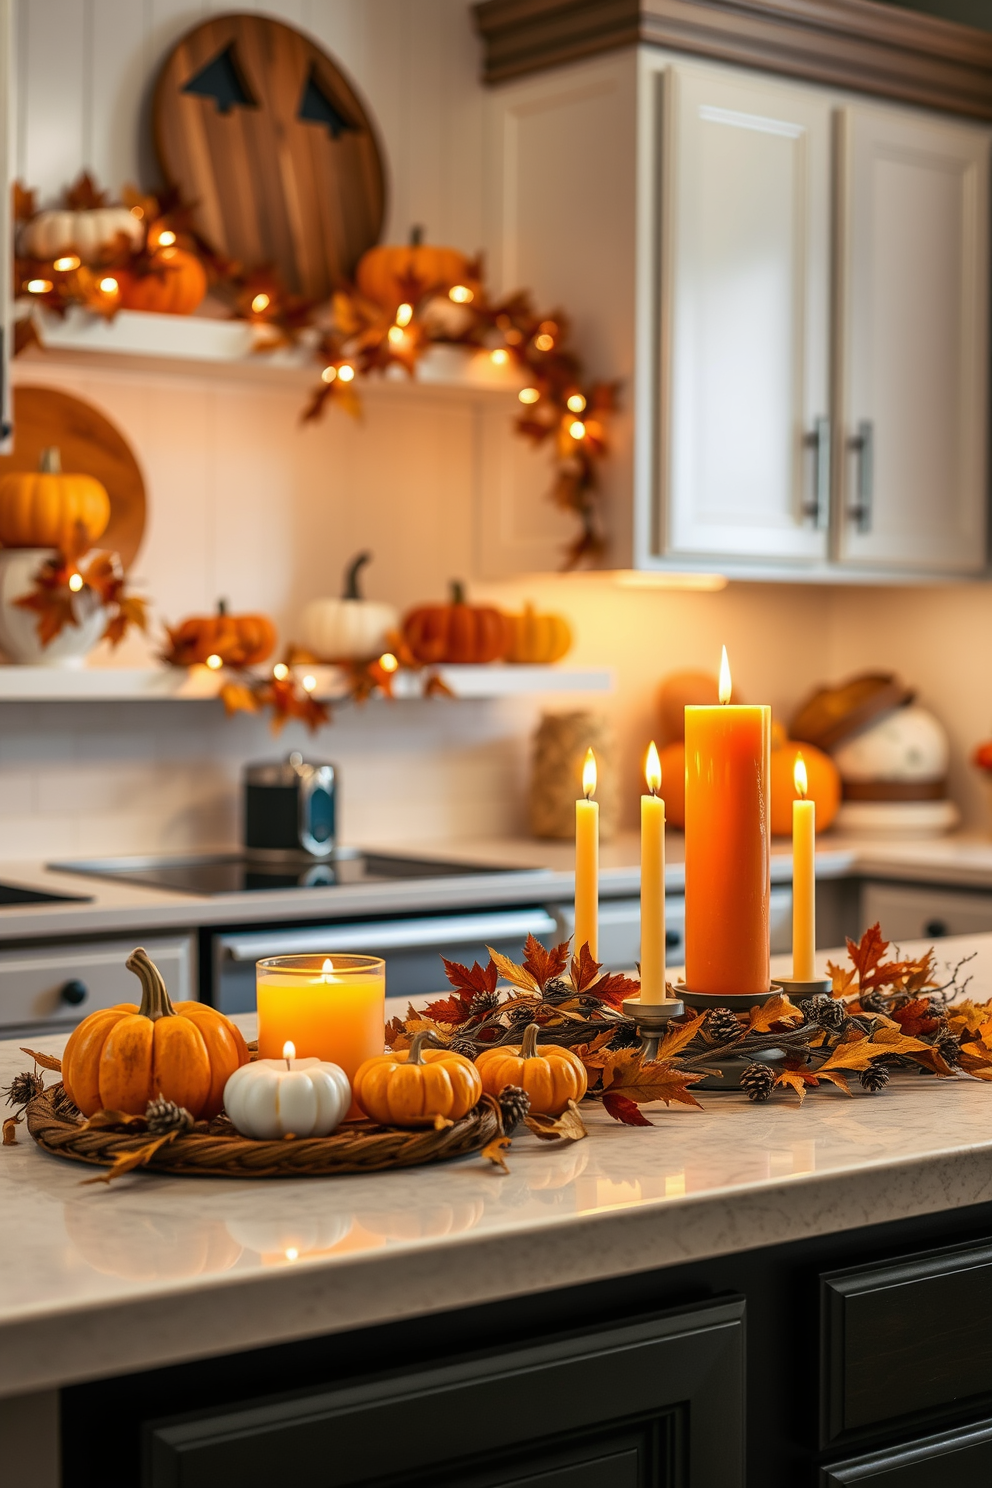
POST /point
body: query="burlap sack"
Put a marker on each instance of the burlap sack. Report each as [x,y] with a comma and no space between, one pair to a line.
[560,745]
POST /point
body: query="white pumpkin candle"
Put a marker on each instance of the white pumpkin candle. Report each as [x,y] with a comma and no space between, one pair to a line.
[274,1098]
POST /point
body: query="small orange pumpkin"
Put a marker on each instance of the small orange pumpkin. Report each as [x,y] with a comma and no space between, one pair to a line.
[417,1086]
[239,640]
[176,285]
[389,275]
[457,632]
[538,639]
[47,508]
[120,1058]
[823,786]
[551,1076]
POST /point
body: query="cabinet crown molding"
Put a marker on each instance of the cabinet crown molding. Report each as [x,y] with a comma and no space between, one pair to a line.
[879,49]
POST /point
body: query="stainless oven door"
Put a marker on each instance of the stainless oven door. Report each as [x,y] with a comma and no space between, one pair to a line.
[410,947]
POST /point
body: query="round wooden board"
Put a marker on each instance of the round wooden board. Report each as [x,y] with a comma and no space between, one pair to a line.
[262,131]
[89,444]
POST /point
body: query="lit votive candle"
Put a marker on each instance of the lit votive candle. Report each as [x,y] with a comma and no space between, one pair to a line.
[331,1008]
[274,1098]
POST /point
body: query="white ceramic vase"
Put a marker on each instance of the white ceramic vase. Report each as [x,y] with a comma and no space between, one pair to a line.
[19,628]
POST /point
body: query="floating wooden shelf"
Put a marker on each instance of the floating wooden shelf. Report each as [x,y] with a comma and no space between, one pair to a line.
[160,684]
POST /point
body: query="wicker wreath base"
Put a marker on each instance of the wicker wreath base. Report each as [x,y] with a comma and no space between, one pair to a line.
[220,1152]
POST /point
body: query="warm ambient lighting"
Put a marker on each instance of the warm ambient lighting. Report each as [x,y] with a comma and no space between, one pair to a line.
[404,315]
[661,579]
[109,286]
[528,395]
[388,662]
[76,583]
[799,777]
[166,238]
[309,683]
[38,286]
[589,775]
[260,302]
[652,769]
[726,685]
[137,212]
[329,374]
[215,662]
[499,357]
[292,1254]
[346,372]
[577,403]
[461,294]
[577,429]
[544,342]
[67,263]
[280,671]
[396,335]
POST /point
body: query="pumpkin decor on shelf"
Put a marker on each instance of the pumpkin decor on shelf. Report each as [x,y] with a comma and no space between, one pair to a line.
[52,508]
[238,640]
[174,283]
[392,275]
[350,628]
[538,639]
[550,1074]
[120,1058]
[823,785]
[456,632]
[92,234]
[417,1086]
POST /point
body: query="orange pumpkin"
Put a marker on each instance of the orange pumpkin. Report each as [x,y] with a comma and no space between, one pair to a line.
[457,632]
[51,509]
[417,1086]
[239,640]
[120,1058]
[551,1075]
[538,639]
[672,759]
[391,275]
[176,285]
[823,786]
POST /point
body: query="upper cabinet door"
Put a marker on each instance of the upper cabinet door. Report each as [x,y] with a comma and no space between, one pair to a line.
[744,437]
[913,350]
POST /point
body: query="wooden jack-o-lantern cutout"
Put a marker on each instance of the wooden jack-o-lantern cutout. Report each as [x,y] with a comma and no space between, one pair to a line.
[262,131]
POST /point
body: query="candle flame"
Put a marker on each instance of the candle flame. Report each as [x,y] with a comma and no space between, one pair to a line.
[726,685]
[799,776]
[328,966]
[652,769]
[589,775]
[289,1050]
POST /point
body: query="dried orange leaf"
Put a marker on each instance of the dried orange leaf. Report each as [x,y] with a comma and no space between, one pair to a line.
[858,1054]
[795,1082]
[649,1080]
[679,1035]
[47,1061]
[511,972]
[10,1131]
[777,1009]
[568,1127]
[494,1152]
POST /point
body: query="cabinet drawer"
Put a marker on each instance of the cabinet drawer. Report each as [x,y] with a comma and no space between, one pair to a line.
[37,985]
[955,1459]
[905,1339]
[915,912]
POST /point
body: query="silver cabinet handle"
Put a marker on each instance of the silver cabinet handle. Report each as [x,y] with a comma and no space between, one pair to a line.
[390,935]
[863,445]
[818,508]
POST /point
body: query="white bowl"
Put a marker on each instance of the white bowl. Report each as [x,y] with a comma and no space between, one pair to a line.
[897,818]
[19,628]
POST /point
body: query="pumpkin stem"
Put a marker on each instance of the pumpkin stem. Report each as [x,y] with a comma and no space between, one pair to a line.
[222,607]
[351,589]
[51,460]
[416,236]
[417,1043]
[528,1047]
[155,1001]
[457,592]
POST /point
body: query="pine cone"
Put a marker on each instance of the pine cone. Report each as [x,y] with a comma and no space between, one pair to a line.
[164,1116]
[23,1088]
[949,1048]
[874,1078]
[556,989]
[465,1046]
[873,1002]
[758,1080]
[514,1103]
[625,1036]
[482,1003]
[825,1012]
[722,1026]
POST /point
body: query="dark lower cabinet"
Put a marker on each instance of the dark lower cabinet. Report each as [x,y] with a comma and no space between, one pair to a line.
[954,1459]
[655,1404]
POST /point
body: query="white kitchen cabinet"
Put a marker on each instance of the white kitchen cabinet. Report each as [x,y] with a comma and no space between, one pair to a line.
[913,268]
[790,285]
[58,984]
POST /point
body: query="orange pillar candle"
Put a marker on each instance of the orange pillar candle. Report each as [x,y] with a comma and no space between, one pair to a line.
[334,1010]
[727,846]
[803,879]
[587,862]
[653,884]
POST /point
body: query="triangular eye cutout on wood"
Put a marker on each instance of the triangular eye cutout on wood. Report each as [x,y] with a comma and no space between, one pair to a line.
[223,81]
[316,108]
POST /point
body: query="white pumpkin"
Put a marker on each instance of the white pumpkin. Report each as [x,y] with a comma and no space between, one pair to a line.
[86,233]
[350,628]
[273,1097]
[908,744]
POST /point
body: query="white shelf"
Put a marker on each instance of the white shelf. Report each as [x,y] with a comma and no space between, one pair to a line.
[136,338]
[151,684]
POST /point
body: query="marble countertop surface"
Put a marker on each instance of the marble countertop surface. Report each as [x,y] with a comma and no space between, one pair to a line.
[545,876]
[97,1280]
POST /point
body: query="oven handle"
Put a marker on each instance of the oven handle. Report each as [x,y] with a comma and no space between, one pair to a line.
[389,935]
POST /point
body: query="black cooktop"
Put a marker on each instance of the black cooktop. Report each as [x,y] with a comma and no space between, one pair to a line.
[234,873]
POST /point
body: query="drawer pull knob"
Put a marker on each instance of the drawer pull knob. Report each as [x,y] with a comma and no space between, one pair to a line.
[74,992]
[936,928]
[672,940]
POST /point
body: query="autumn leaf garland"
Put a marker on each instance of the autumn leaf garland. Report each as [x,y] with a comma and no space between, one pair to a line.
[881,1014]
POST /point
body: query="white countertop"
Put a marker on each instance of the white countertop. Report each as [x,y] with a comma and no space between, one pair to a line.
[153,1270]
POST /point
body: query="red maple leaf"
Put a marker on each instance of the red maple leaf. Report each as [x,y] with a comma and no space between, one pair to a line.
[915,1018]
[622,1108]
[614,989]
[866,955]
[585,968]
[479,979]
[448,1010]
[542,963]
